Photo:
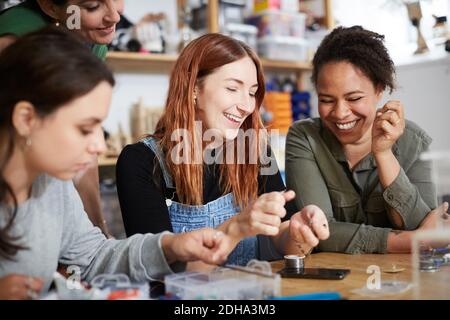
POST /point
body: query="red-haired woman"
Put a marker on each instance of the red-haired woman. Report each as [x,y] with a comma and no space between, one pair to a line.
[176,179]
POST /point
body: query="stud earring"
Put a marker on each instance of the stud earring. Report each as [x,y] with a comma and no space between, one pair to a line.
[28,142]
[57,24]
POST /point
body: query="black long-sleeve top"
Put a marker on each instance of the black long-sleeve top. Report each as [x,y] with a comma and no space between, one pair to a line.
[142,191]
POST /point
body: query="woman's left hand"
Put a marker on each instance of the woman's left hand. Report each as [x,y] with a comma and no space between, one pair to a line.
[388,126]
[307,227]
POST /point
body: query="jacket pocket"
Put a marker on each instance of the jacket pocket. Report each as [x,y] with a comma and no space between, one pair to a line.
[345,205]
[375,209]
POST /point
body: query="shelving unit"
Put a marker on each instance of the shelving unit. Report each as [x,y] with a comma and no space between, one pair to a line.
[137,62]
[107,161]
[160,63]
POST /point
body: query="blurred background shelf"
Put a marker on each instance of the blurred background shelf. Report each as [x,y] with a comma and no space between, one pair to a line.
[139,62]
[107,161]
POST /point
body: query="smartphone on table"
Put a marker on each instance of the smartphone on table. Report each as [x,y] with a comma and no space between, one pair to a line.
[315,273]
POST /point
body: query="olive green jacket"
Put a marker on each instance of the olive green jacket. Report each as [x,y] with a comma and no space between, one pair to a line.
[354,201]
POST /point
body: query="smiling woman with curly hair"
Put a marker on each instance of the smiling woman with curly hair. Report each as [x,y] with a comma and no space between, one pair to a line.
[360,163]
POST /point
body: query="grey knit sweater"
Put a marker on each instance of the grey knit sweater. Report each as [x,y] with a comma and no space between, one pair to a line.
[54,227]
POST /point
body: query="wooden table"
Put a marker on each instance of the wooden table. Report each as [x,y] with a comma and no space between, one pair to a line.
[358,264]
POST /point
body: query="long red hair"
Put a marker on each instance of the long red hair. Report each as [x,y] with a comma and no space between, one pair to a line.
[199,59]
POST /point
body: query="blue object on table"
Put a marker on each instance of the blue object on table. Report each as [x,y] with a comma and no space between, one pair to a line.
[312,296]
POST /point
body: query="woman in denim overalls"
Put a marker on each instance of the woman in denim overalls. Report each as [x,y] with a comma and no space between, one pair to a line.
[216,89]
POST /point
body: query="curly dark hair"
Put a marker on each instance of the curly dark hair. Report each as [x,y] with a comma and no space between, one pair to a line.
[362,48]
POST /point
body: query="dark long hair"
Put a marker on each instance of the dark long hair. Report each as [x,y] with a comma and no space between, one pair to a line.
[48,68]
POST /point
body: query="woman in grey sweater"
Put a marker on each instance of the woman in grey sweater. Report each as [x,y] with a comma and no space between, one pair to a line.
[54,96]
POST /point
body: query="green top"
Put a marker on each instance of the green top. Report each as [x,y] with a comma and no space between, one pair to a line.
[27,17]
[354,201]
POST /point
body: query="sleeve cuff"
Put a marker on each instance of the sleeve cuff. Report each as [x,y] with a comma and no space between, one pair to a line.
[400,195]
[153,260]
[369,239]
[404,198]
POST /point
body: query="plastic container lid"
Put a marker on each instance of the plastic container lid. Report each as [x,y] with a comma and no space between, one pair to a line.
[242,28]
[276,11]
[283,40]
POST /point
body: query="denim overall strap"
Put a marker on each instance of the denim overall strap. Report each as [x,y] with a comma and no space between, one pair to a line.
[186,218]
[152,143]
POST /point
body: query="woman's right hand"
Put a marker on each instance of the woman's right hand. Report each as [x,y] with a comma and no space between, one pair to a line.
[19,287]
[207,245]
[436,218]
[263,216]
[401,241]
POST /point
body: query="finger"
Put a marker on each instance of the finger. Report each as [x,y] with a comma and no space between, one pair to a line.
[294,231]
[386,126]
[222,249]
[34,284]
[208,236]
[265,229]
[442,209]
[261,217]
[288,195]
[308,235]
[204,254]
[273,208]
[315,218]
[212,240]
[274,196]
[308,213]
[392,117]
[320,231]
[394,105]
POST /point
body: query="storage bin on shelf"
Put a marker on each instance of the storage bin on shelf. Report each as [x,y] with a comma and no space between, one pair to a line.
[279,23]
[278,105]
[243,32]
[283,48]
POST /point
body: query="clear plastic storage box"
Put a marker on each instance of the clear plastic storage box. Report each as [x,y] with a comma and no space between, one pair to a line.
[243,32]
[283,48]
[279,23]
[225,284]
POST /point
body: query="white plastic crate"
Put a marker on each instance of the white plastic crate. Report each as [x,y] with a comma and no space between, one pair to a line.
[225,284]
[283,48]
[279,23]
